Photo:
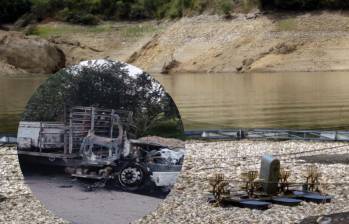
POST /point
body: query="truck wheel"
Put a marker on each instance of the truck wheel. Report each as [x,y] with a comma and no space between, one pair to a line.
[132,177]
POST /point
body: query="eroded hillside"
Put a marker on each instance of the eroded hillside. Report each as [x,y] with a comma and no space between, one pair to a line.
[254,42]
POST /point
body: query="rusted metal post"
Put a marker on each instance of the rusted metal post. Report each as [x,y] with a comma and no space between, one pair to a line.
[70,133]
[112,122]
[40,138]
[93,111]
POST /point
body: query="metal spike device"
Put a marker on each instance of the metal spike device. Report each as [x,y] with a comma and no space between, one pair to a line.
[219,188]
[272,187]
[312,179]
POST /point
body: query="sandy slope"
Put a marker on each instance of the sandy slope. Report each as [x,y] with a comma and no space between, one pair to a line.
[298,42]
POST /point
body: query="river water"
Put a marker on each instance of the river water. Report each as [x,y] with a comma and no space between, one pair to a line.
[210,101]
[274,100]
[15,91]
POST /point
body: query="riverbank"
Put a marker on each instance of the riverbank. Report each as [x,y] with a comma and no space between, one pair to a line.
[187,202]
[254,42]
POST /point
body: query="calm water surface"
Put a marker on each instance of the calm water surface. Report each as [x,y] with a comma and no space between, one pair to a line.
[15,91]
[287,100]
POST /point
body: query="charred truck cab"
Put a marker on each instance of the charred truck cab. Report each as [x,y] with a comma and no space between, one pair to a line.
[94,144]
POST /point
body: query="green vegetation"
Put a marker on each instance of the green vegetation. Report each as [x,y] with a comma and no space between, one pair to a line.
[287,24]
[167,128]
[90,12]
[248,5]
[134,31]
[306,4]
[226,7]
[107,86]
[12,10]
[129,31]
[46,30]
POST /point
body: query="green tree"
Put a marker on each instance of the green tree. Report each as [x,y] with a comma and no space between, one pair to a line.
[106,86]
[10,11]
[306,4]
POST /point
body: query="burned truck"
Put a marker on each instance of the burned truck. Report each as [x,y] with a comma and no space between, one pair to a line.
[95,143]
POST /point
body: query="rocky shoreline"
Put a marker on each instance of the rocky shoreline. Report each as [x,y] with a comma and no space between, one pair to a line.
[20,53]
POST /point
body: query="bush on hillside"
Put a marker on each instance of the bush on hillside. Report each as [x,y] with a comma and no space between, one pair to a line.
[77,17]
[10,11]
[306,4]
[44,8]
[226,7]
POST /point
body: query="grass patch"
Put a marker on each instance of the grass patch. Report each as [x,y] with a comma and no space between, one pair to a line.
[125,31]
[248,5]
[136,31]
[49,30]
[287,25]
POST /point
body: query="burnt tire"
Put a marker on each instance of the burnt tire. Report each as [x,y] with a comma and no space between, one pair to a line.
[133,177]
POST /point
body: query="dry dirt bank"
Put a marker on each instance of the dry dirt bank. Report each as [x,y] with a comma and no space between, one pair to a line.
[255,42]
[267,43]
[114,40]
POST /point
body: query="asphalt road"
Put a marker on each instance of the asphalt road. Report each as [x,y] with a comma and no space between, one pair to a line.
[67,198]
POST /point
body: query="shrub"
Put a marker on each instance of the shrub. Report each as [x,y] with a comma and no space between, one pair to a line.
[306,4]
[138,10]
[44,8]
[226,7]
[78,17]
[10,11]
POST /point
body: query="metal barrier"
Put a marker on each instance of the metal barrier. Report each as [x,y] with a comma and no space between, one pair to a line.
[238,134]
[270,134]
[7,139]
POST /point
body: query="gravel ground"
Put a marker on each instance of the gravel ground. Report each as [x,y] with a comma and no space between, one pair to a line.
[187,201]
[327,159]
[19,206]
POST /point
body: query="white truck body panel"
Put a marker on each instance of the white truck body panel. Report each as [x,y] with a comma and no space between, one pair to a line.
[28,134]
[164,179]
[40,134]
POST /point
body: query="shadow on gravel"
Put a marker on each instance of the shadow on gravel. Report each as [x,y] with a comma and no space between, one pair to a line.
[338,218]
[327,158]
[31,172]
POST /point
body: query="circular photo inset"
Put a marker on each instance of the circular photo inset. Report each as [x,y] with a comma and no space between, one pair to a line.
[101,142]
